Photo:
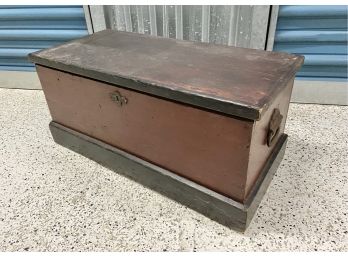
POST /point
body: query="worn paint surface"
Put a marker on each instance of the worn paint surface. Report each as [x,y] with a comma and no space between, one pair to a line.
[205,147]
[236,81]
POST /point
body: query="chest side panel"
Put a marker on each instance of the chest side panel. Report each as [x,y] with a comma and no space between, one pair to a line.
[259,150]
[206,147]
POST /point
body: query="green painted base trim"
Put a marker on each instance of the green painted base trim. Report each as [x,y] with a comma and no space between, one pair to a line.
[217,207]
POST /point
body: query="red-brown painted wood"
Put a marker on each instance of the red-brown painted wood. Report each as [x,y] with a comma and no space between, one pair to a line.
[206,147]
[199,110]
[259,150]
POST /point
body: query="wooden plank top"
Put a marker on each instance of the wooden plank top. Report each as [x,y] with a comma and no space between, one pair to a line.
[232,80]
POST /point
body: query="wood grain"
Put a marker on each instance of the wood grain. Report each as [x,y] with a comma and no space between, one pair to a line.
[208,148]
[237,81]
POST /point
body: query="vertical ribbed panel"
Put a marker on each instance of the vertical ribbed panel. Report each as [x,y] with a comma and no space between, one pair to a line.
[219,24]
[317,32]
[25,29]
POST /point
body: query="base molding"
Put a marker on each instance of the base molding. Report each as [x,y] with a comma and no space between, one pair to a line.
[220,208]
[320,92]
[19,80]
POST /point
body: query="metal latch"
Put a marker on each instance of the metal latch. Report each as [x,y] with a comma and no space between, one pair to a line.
[274,126]
[118,98]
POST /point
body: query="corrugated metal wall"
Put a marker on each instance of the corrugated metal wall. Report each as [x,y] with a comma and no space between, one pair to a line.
[320,34]
[244,26]
[25,29]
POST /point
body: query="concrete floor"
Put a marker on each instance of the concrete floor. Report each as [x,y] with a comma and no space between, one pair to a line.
[52,199]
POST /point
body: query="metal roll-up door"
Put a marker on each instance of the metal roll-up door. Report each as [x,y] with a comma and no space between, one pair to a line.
[320,34]
[317,32]
[25,29]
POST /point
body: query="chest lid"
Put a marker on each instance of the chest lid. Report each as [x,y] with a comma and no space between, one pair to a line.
[231,80]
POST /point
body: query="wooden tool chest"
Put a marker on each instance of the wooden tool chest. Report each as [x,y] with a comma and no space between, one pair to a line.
[202,124]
